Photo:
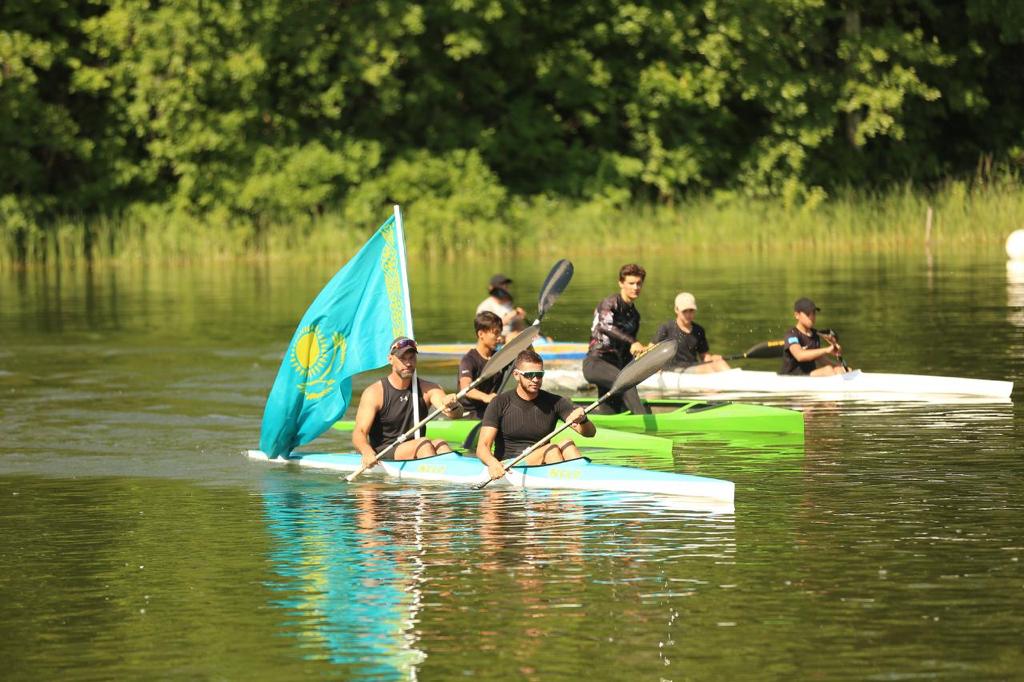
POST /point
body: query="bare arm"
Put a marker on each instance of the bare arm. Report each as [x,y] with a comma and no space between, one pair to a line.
[483,451]
[435,396]
[370,403]
[476,393]
[585,428]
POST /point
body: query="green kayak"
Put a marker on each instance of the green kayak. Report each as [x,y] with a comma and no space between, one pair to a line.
[455,432]
[719,417]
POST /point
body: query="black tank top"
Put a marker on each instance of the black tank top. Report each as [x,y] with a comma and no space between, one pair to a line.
[395,416]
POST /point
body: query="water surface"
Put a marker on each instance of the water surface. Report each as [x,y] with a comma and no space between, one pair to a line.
[135,540]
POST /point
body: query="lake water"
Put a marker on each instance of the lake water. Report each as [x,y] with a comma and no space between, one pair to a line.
[136,542]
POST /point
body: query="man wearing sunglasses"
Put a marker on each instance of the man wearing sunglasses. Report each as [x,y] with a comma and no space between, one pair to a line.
[517,419]
[386,412]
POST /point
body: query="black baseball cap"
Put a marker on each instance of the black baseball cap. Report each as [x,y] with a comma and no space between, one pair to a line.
[805,305]
[402,344]
[499,280]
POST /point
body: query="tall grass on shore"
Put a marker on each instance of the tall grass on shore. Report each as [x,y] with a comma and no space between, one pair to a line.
[965,216]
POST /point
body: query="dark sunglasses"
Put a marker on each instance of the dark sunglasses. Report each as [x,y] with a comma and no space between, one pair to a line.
[404,344]
[532,375]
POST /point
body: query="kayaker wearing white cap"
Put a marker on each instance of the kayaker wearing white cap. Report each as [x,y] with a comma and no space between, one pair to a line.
[692,352]
[804,352]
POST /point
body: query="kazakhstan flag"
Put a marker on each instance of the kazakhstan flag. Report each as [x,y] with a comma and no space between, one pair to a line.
[345,331]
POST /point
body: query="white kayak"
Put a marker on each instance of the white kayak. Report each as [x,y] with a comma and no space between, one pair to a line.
[856,385]
[576,474]
[549,350]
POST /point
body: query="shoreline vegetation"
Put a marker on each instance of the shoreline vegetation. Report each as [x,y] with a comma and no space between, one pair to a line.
[140,131]
[964,216]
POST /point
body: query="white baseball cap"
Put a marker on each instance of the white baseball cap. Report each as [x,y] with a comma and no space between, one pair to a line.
[686,301]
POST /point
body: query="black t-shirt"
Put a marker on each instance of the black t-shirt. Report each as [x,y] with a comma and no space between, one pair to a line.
[521,423]
[690,348]
[471,365]
[614,329]
[808,342]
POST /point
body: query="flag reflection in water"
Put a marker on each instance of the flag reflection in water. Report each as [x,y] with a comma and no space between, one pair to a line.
[351,598]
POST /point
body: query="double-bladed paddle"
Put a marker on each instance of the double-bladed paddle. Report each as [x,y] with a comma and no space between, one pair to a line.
[495,364]
[554,284]
[632,374]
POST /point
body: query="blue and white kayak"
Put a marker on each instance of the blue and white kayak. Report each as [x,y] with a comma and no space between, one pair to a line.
[576,474]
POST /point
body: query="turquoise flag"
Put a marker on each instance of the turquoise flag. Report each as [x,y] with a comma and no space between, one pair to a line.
[345,331]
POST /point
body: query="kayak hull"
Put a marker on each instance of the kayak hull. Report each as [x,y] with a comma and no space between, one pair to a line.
[627,431]
[854,385]
[578,474]
[549,350]
[706,417]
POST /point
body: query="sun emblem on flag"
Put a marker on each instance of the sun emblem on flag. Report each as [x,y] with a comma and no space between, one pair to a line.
[316,359]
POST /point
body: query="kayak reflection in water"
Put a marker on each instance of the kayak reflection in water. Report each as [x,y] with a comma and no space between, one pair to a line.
[804,353]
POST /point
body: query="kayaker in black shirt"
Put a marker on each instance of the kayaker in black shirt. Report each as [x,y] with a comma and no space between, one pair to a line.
[517,419]
[804,353]
[613,341]
[692,352]
[488,336]
[386,411]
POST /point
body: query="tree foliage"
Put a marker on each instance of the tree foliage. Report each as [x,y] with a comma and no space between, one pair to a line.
[264,108]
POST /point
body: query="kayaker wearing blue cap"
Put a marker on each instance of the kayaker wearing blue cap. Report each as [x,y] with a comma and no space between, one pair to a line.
[692,351]
[386,412]
[804,351]
[499,302]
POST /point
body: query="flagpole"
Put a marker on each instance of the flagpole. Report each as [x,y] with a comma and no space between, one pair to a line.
[407,302]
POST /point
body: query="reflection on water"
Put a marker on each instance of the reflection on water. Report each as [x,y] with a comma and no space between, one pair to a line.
[1015,292]
[135,542]
[351,592]
[375,577]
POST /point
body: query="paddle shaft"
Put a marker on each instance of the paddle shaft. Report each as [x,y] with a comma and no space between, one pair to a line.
[766,350]
[542,441]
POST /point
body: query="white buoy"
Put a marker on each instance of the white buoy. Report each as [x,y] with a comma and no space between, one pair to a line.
[1015,245]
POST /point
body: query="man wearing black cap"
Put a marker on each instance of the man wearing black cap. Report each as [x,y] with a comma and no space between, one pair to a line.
[499,302]
[803,345]
[386,410]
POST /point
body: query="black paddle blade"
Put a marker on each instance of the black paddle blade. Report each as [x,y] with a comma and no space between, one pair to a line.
[509,351]
[556,282]
[767,349]
[644,366]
